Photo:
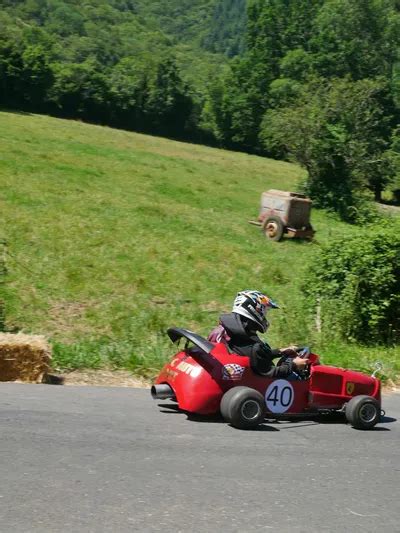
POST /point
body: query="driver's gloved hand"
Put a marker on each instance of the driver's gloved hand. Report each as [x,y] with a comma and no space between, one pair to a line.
[289,351]
[300,363]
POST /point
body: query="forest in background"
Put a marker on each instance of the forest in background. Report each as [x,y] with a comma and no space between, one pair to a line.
[314,81]
[132,64]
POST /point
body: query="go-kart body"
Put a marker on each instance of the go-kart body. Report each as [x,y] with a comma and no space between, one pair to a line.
[200,375]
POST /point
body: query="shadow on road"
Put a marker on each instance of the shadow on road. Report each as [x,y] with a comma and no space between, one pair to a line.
[208,419]
[388,420]
[376,428]
[271,424]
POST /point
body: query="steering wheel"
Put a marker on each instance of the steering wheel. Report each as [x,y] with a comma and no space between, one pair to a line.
[303,352]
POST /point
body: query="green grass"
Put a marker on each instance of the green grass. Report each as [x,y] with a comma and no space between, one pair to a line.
[116,236]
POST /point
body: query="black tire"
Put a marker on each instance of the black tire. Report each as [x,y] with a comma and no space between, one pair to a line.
[243,407]
[363,412]
[224,406]
[273,228]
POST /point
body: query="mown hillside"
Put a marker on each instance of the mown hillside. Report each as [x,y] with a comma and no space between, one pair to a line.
[114,236]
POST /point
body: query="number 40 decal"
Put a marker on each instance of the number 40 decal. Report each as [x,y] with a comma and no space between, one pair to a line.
[279,396]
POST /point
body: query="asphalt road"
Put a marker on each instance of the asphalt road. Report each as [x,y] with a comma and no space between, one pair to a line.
[91,459]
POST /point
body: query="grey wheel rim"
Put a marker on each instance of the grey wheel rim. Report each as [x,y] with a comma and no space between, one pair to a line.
[250,410]
[367,413]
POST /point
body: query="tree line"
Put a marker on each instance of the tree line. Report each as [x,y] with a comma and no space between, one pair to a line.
[316,81]
[319,83]
[92,61]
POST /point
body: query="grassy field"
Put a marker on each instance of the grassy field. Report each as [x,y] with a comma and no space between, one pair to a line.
[115,236]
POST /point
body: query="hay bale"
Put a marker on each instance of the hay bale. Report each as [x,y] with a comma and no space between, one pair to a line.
[24,357]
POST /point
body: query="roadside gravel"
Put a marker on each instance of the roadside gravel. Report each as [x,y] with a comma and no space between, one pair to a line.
[105,378]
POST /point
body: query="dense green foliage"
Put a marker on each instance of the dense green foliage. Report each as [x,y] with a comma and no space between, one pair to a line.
[318,83]
[356,284]
[123,63]
[228,24]
[96,61]
[132,64]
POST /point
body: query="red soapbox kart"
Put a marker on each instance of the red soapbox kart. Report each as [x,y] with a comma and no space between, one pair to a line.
[205,378]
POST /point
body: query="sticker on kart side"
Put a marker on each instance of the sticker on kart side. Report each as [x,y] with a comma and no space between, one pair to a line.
[232,371]
[185,367]
[279,396]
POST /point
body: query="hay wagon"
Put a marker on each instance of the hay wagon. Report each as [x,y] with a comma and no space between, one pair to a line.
[284,212]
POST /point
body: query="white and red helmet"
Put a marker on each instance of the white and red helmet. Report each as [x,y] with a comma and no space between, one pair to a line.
[254,306]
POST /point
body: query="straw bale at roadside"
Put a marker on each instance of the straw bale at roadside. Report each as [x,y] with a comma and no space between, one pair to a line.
[24,357]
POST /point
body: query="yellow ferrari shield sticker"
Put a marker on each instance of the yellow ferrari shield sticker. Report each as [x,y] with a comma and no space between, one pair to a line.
[349,388]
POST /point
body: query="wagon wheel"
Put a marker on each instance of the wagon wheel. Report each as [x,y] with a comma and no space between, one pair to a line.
[273,228]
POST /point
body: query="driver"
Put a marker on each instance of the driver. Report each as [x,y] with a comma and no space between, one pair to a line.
[238,331]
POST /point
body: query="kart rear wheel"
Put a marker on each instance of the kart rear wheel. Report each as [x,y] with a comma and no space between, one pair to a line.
[243,407]
[363,412]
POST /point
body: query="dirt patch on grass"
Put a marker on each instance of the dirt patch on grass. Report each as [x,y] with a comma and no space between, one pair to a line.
[390,208]
[68,319]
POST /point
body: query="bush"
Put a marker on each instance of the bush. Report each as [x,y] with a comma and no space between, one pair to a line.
[356,285]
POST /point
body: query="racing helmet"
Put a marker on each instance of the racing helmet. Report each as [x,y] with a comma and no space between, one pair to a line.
[254,306]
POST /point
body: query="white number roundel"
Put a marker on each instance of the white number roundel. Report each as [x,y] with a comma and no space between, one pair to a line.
[279,396]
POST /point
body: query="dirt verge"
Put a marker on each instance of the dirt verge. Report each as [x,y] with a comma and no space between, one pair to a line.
[104,378]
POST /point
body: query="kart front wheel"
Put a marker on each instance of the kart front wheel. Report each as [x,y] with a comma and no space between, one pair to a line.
[243,407]
[363,412]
